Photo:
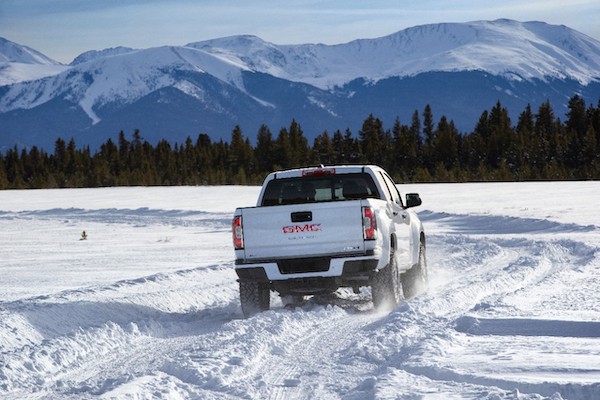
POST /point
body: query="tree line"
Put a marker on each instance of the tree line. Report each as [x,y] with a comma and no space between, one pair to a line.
[538,147]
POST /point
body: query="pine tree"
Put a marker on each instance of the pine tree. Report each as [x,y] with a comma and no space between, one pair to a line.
[165,162]
[428,129]
[406,150]
[589,150]
[501,140]
[576,116]
[299,146]
[373,141]
[593,117]
[353,148]
[73,170]
[428,125]
[59,162]
[339,148]
[110,167]
[4,184]
[124,164]
[415,128]
[204,158]
[13,169]
[445,146]
[284,157]
[264,152]
[38,169]
[241,154]
[136,159]
[576,130]
[524,132]
[237,153]
[323,151]
[543,129]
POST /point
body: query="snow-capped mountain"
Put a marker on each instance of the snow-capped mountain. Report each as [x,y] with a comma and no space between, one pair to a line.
[13,52]
[211,86]
[122,79]
[94,54]
[20,63]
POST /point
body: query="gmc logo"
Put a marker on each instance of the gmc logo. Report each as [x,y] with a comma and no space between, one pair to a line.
[301,228]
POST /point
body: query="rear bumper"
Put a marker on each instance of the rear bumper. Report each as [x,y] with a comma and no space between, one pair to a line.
[355,268]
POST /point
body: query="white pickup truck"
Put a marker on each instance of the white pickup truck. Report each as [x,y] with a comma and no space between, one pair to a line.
[315,230]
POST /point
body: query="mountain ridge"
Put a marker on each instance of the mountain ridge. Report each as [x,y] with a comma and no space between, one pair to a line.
[451,47]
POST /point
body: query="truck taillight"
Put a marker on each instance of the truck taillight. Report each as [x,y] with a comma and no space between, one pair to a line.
[318,172]
[369,223]
[237,232]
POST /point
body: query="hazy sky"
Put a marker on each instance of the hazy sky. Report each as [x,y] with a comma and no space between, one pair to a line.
[62,29]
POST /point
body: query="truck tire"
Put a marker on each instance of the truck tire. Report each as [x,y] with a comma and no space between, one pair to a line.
[386,289]
[255,297]
[414,281]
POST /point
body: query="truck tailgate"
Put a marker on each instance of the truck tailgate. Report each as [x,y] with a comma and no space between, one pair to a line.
[303,230]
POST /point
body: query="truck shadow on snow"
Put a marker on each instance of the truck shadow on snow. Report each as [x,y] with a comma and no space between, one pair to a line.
[342,298]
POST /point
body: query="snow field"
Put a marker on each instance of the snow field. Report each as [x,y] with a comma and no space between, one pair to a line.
[147,307]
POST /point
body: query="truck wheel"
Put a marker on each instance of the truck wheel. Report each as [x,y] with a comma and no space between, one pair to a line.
[414,281]
[254,297]
[386,289]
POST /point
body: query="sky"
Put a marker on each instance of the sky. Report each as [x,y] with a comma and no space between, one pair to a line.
[63,29]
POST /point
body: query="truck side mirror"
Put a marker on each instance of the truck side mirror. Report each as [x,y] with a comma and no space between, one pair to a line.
[413,200]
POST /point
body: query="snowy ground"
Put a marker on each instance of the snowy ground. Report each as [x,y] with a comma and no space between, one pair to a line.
[147,306]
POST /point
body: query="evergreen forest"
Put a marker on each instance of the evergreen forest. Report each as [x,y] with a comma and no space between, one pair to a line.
[539,146]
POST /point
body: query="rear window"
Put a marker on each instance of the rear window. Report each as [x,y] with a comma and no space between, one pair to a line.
[309,189]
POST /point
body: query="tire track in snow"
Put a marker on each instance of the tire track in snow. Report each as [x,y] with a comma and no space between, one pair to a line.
[277,354]
[311,365]
[483,272]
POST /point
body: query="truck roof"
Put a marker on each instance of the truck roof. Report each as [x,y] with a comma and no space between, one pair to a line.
[321,170]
